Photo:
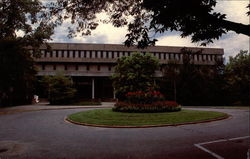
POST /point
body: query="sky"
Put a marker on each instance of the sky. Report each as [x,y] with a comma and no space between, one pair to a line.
[232,43]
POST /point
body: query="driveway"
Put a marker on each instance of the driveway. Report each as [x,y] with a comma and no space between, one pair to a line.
[45,135]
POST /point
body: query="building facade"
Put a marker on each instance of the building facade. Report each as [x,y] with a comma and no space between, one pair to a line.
[91,65]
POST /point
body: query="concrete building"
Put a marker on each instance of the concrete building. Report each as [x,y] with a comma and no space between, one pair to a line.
[91,65]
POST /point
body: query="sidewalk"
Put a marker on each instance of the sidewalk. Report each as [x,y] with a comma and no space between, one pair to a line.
[45,106]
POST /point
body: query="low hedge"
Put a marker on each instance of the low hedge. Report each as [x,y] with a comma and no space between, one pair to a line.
[160,106]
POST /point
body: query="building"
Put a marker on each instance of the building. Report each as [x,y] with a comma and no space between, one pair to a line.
[91,65]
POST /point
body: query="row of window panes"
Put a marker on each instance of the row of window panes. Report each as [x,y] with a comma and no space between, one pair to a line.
[84,54]
[76,67]
[114,54]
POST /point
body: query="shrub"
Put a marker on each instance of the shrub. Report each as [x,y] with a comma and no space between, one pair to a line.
[134,73]
[60,89]
[159,106]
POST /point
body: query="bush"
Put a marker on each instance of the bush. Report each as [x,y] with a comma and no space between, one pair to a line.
[159,106]
[134,73]
[60,89]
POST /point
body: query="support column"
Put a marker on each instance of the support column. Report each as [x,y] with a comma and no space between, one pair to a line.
[114,94]
[93,88]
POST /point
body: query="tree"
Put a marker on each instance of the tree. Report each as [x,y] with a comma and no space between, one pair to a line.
[17,74]
[134,73]
[60,89]
[24,25]
[194,84]
[237,75]
[195,18]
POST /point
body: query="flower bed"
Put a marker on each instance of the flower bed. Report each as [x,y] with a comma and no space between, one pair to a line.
[140,97]
[146,102]
[159,106]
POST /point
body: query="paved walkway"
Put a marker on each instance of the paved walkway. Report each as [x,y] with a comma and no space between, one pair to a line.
[46,106]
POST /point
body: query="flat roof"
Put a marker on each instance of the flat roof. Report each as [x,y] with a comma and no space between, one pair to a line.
[120,47]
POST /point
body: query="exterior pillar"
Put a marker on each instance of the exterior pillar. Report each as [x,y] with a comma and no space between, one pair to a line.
[114,94]
[93,88]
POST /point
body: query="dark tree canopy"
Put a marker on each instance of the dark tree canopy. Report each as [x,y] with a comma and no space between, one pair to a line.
[195,18]
[28,16]
[16,64]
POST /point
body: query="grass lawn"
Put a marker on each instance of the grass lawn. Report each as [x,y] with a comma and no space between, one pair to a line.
[108,117]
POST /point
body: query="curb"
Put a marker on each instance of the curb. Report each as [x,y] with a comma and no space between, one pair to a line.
[66,119]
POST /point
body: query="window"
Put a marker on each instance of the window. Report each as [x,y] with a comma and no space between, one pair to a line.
[54,67]
[77,67]
[62,53]
[65,67]
[67,53]
[174,56]
[109,68]
[101,54]
[42,53]
[209,58]
[179,56]
[84,54]
[79,54]
[51,53]
[98,67]
[164,56]
[56,53]
[43,66]
[87,67]
[96,54]
[170,56]
[90,54]
[74,54]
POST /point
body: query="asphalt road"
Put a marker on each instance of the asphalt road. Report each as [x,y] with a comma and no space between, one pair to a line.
[45,135]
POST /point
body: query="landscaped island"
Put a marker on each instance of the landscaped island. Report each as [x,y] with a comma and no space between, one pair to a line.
[109,118]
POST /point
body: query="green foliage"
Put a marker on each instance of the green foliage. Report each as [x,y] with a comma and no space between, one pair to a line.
[195,18]
[24,24]
[191,84]
[237,75]
[134,73]
[60,89]
[17,73]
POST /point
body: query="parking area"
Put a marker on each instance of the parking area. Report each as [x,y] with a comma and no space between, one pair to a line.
[233,148]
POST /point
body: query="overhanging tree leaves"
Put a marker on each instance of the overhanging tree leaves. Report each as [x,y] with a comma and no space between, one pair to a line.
[24,24]
[195,18]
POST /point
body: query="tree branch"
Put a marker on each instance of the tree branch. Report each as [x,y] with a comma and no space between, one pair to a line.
[237,27]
